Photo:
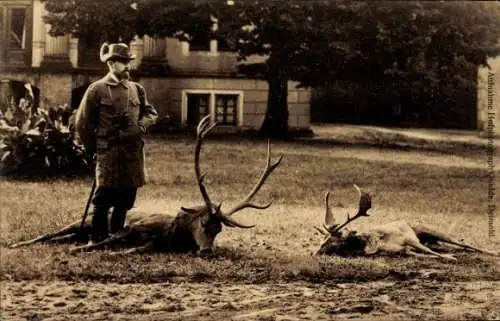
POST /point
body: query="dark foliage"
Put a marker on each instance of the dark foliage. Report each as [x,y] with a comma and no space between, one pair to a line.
[40,144]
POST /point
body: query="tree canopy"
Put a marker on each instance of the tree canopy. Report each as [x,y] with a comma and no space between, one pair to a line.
[406,49]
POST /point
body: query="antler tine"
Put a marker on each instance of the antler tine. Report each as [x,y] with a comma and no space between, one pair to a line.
[202,130]
[230,222]
[365,203]
[320,230]
[246,203]
[329,223]
[202,125]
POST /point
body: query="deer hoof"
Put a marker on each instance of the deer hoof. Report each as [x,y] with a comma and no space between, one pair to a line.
[450,257]
[78,249]
[205,252]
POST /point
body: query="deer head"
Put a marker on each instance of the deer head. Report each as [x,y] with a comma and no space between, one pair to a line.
[336,242]
[206,220]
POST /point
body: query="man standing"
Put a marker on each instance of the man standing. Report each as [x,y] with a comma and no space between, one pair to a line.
[111,120]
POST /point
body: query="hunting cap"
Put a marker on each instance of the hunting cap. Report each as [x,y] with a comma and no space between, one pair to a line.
[115,50]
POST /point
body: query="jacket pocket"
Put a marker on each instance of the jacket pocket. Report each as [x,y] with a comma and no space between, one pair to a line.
[106,101]
[106,106]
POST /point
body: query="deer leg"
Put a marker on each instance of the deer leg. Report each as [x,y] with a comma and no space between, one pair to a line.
[138,249]
[113,238]
[427,233]
[416,244]
[68,229]
[63,238]
[469,247]
[410,252]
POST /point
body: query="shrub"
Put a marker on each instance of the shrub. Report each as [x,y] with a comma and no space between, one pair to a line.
[39,143]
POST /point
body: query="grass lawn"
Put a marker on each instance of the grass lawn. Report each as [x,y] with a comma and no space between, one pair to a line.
[443,191]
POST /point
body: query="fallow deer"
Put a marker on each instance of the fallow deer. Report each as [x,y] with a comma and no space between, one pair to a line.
[194,229]
[398,237]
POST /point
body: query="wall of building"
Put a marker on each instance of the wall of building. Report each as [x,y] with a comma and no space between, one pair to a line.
[183,61]
[57,68]
[488,98]
[166,94]
[55,89]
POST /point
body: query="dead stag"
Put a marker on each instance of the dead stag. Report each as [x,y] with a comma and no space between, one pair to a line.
[396,237]
[193,229]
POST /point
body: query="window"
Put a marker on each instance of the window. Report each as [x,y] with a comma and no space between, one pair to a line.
[2,28]
[197,107]
[88,53]
[15,32]
[223,45]
[199,43]
[224,106]
[225,109]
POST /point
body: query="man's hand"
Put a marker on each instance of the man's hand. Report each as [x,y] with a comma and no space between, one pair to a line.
[121,120]
[90,147]
[127,133]
[123,128]
[131,132]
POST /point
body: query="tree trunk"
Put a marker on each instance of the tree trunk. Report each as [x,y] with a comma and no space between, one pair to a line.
[275,124]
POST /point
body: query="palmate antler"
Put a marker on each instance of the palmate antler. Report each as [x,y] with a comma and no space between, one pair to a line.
[203,129]
[365,203]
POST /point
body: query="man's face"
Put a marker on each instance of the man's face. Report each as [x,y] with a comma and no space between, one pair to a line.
[121,68]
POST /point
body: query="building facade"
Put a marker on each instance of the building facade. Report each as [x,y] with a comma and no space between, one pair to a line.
[183,80]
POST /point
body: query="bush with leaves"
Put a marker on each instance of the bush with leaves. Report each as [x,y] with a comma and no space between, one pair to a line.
[35,144]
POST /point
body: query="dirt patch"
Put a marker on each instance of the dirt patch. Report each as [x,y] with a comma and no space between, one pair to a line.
[417,299]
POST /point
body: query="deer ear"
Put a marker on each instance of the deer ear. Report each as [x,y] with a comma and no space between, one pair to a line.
[215,209]
[189,210]
[321,231]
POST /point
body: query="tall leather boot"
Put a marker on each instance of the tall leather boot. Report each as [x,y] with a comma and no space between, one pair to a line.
[118,219]
[99,229]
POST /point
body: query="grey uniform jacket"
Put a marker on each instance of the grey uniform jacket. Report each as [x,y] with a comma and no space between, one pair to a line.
[118,164]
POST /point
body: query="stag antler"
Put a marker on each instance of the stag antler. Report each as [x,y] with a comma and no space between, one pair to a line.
[246,203]
[365,203]
[201,131]
[329,223]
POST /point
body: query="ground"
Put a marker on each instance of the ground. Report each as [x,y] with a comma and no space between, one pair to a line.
[268,272]
[421,299]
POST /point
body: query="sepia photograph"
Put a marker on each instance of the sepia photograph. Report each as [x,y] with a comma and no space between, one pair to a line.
[253,160]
